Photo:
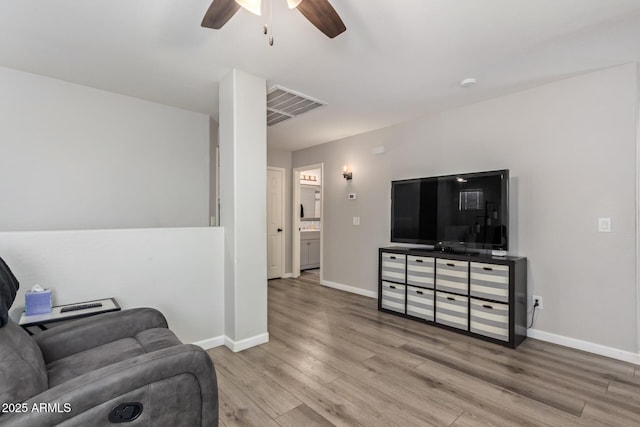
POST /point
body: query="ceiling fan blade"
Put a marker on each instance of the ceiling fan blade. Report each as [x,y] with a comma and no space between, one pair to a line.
[321,14]
[219,13]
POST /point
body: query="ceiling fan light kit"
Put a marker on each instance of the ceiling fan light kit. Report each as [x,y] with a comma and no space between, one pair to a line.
[319,12]
[253,6]
[293,3]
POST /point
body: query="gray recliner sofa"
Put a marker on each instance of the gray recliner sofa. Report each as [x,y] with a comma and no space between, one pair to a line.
[122,367]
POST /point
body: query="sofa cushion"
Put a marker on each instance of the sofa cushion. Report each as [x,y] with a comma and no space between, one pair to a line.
[22,369]
[8,289]
[67,368]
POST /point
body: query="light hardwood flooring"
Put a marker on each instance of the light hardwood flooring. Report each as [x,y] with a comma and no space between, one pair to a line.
[334,359]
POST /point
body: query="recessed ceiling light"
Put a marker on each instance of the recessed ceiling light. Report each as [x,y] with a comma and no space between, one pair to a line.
[468,82]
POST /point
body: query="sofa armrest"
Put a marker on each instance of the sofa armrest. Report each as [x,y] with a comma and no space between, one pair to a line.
[89,398]
[83,334]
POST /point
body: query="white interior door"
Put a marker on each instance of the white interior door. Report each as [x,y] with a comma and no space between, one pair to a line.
[275,222]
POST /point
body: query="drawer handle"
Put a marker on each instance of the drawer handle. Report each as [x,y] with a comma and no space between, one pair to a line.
[451,298]
[392,287]
[487,268]
[487,306]
[418,260]
[450,264]
[392,257]
[419,292]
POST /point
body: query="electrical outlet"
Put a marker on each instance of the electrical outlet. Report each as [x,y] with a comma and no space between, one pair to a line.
[539,299]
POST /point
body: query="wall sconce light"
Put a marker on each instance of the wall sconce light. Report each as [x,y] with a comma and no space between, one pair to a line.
[346,173]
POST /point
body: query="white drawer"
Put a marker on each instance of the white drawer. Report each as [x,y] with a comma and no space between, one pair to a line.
[420,302]
[452,310]
[393,297]
[452,276]
[420,271]
[394,267]
[489,281]
[490,319]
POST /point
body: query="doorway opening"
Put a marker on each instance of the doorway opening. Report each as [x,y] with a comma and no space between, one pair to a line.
[308,200]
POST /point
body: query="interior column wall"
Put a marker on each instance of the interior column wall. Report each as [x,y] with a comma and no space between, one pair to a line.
[243,207]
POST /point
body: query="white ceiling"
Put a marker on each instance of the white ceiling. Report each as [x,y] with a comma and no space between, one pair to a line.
[397,60]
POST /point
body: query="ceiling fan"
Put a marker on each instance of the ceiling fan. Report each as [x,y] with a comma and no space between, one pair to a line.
[319,12]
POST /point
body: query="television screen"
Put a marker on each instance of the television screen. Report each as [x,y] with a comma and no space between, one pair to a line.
[468,210]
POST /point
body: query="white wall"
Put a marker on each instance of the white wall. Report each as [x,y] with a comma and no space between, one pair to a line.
[73,157]
[179,271]
[571,150]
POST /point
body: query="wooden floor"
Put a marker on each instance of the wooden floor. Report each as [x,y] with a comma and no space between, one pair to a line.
[333,359]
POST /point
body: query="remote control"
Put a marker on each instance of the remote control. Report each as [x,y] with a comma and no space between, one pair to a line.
[80,307]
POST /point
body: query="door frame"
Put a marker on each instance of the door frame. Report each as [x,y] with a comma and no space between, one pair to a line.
[295,219]
[282,218]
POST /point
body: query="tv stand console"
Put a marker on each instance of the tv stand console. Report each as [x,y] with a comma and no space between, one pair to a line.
[474,294]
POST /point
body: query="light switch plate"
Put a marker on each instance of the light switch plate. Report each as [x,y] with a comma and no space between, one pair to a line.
[604,225]
[351,196]
[356,220]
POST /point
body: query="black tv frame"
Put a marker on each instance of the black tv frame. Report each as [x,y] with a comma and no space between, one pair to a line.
[461,246]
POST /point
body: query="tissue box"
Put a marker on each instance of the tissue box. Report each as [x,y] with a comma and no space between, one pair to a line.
[37,302]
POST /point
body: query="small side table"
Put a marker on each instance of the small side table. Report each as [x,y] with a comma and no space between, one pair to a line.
[40,320]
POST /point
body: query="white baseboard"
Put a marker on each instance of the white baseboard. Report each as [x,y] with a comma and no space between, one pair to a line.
[614,353]
[234,346]
[210,342]
[246,343]
[352,289]
[287,275]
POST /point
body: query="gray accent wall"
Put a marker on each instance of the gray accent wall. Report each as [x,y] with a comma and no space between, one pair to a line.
[571,150]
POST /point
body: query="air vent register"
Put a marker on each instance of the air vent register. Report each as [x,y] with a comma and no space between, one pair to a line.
[284,104]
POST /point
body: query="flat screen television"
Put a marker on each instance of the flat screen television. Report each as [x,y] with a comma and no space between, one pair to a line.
[469,210]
